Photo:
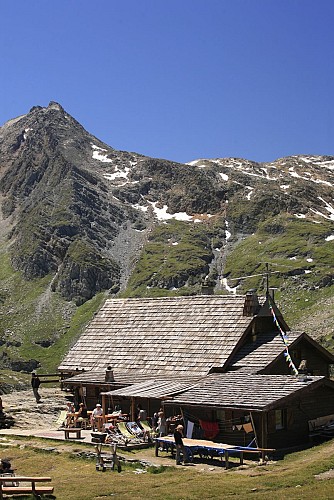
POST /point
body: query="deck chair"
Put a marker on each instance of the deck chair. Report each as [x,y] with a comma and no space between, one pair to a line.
[61,419]
[148,429]
[134,429]
[125,431]
[146,426]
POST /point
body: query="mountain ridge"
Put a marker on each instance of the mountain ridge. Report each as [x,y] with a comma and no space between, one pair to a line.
[80,219]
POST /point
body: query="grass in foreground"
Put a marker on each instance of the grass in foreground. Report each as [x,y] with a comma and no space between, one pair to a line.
[75,478]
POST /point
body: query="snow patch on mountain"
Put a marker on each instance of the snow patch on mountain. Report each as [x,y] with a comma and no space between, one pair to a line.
[327,207]
[143,208]
[98,155]
[119,174]
[227,287]
[249,194]
[161,213]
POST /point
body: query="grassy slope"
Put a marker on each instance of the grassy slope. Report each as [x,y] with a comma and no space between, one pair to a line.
[292,477]
[30,312]
[176,252]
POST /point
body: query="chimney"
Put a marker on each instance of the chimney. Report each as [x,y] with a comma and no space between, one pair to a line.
[109,376]
[272,293]
[251,305]
[207,287]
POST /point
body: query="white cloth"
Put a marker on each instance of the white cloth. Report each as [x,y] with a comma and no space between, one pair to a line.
[190,428]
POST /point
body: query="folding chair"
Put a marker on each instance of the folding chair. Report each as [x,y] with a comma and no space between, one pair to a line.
[61,419]
[125,431]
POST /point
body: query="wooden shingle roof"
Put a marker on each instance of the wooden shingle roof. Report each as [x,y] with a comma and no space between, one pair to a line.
[155,389]
[249,392]
[169,335]
[255,356]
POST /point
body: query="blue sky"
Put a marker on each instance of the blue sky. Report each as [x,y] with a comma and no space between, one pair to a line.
[177,79]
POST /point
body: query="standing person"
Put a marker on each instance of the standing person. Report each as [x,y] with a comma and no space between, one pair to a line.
[142,414]
[162,424]
[178,435]
[35,383]
[155,421]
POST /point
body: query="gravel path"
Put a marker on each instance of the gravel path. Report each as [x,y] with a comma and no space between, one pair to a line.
[22,406]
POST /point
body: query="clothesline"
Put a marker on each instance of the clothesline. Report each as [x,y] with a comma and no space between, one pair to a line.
[227,422]
[285,340]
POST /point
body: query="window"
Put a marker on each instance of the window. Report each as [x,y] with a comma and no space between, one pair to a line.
[279,419]
[220,415]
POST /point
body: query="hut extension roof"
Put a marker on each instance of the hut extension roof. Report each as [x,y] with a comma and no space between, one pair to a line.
[155,389]
[255,356]
[169,335]
[249,392]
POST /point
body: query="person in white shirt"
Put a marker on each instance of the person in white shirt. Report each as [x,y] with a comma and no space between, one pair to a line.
[94,420]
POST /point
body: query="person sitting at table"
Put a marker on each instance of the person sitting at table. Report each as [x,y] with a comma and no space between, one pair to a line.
[94,419]
[70,410]
[82,414]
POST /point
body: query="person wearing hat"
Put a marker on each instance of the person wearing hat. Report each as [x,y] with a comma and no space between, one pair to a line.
[178,435]
[96,420]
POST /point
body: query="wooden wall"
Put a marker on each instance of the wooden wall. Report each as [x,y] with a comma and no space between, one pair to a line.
[317,403]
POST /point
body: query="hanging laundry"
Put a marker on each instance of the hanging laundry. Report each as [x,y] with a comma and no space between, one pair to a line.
[248,427]
[210,429]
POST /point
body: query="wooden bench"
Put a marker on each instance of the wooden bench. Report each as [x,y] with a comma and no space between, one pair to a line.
[72,430]
[28,489]
[317,425]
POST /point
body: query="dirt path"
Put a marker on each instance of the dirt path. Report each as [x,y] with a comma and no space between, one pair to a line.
[22,406]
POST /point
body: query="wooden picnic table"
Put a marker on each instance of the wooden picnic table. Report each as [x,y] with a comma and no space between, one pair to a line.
[121,417]
[223,450]
[12,485]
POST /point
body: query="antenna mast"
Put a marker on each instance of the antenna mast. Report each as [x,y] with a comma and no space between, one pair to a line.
[267,278]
